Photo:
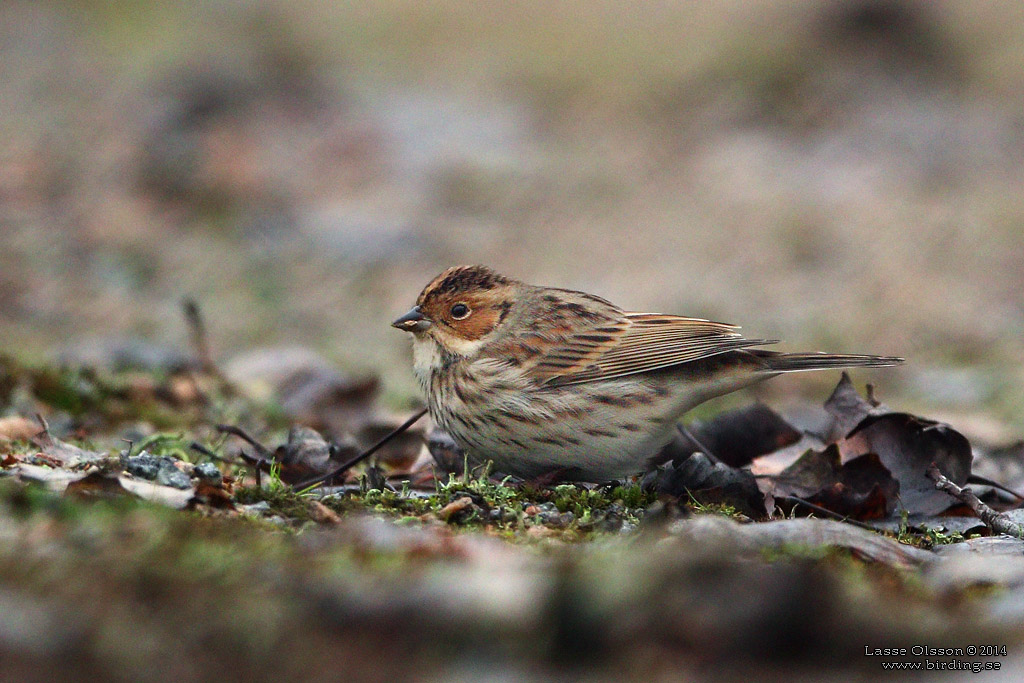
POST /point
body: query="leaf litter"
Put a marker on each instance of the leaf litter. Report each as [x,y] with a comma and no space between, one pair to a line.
[863,462]
[728,490]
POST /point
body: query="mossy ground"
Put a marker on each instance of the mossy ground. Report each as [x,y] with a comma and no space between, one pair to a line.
[260,582]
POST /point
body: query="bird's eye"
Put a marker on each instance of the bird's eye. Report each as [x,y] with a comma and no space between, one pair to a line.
[460,311]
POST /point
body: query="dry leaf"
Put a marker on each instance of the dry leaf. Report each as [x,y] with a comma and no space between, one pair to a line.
[861,488]
[65,453]
[907,445]
[708,482]
[738,436]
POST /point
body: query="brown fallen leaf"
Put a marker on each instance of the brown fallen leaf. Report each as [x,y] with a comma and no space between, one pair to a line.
[868,449]
[332,402]
[775,463]
[307,454]
[861,488]
[810,473]
[736,437]
[907,445]
[860,505]
[156,493]
[848,409]
[98,484]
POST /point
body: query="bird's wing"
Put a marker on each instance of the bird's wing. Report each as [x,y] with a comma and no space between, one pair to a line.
[632,343]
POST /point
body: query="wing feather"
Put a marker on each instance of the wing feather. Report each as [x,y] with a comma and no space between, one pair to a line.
[640,342]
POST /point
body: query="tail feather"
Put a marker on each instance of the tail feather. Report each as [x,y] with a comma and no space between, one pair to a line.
[799,362]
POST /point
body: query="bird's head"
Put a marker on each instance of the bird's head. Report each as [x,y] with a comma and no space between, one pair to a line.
[459,308]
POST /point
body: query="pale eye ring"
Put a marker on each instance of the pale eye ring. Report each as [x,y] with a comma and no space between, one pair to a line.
[460,311]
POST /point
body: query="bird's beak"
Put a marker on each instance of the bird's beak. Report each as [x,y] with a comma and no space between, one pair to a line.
[413,321]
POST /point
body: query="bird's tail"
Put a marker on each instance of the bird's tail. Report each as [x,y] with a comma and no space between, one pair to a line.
[798,362]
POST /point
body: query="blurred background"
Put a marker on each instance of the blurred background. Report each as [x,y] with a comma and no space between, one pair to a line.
[846,176]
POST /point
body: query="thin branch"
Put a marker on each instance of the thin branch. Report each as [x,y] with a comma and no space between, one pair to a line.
[688,433]
[258,471]
[997,522]
[197,333]
[42,423]
[985,481]
[828,513]
[364,455]
[200,448]
[244,436]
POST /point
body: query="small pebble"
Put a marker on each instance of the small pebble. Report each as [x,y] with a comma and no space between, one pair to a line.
[162,470]
[556,520]
[255,509]
[207,471]
[143,466]
[173,477]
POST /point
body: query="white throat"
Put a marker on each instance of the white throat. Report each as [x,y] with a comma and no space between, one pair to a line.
[427,357]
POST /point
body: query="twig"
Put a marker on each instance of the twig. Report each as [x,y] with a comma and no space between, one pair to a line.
[687,433]
[309,483]
[42,423]
[257,471]
[828,513]
[200,448]
[198,336]
[244,436]
[997,522]
[985,481]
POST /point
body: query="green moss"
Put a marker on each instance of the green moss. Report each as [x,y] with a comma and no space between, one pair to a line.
[282,501]
[708,508]
[503,509]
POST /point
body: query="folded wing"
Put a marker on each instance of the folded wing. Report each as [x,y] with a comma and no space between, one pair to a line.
[634,343]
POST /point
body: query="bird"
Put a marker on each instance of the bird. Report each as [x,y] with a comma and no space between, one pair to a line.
[546,382]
